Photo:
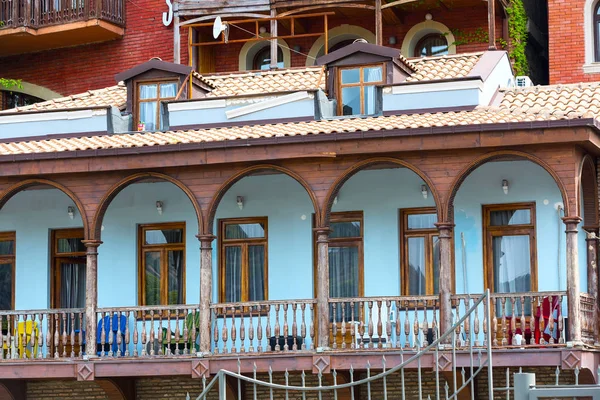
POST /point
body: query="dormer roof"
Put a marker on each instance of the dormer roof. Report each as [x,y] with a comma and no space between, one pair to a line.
[153,64]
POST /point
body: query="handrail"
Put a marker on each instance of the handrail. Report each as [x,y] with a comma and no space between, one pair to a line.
[43,311]
[214,306]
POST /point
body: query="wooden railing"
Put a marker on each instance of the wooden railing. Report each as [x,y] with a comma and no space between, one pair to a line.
[37,334]
[589,324]
[40,13]
[383,322]
[257,327]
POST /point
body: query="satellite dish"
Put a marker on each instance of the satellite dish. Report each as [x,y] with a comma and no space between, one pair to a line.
[219,27]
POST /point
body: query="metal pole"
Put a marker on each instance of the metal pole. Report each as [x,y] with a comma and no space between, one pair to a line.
[489,345]
[523,383]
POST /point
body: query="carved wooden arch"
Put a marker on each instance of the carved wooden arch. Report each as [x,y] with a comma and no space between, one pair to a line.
[118,388]
[499,155]
[214,204]
[353,170]
[588,189]
[13,389]
[119,186]
[16,188]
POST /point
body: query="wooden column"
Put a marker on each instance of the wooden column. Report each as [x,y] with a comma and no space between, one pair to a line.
[492,24]
[573,290]
[273,41]
[205,291]
[445,278]
[378,25]
[592,273]
[322,287]
[177,38]
[91,295]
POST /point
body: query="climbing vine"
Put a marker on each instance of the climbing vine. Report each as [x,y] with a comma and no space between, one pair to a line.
[517,31]
[9,83]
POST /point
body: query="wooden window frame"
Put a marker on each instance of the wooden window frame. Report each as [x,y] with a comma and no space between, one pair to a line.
[158,99]
[489,232]
[10,259]
[57,258]
[142,248]
[424,38]
[244,243]
[360,84]
[428,234]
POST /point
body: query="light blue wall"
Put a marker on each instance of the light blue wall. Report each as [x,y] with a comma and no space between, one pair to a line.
[97,123]
[446,98]
[117,256]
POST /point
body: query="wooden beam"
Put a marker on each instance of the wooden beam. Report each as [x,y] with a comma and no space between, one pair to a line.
[492,24]
[396,3]
[378,25]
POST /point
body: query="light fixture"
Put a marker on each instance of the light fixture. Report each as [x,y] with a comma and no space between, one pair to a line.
[297,48]
[262,30]
[428,16]
[424,191]
[392,40]
[240,202]
[159,207]
[71,212]
[505,186]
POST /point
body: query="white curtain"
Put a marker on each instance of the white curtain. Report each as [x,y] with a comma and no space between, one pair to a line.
[371,75]
[343,277]
[417,283]
[233,274]
[175,295]
[256,273]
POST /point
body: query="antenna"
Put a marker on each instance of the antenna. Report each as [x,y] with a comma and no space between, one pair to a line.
[219,27]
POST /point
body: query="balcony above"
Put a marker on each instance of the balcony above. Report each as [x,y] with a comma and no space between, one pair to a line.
[30,26]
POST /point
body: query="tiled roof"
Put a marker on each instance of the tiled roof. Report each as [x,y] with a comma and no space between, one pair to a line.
[425,120]
[581,97]
[444,67]
[110,96]
[309,78]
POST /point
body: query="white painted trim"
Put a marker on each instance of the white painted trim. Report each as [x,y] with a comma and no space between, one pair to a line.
[336,35]
[50,116]
[438,87]
[593,68]
[197,105]
[588,29]
[263,105]
[421,29]
[35,90]
[250,49]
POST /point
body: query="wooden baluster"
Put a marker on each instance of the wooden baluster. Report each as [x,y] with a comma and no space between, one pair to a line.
[285,328]
[523,321]
[111,335]
[398,325]
[513,320]
[541,321]
[81,334]
[192,334]
[23,337]
[56,335]
[216,329]
[312,326]
[177,332]
[334,307]
[494,333]
[233,329]
[152,351]
[503,315]
[352,326]
[72,334]
[294,328]
[144,336]
[388,322]
[303,326]
[343,325]
[251,331]
[2,337]
[9,341]
[64,334]
[561,331]
[268,328]
[136,336]
[476,327]
[551,322]
[224,333]
[169,334]
[185,334]
[371,326]
[259,331]
[406,325]
[467,323]
[458,328]
[379,325]
[119,338]
[361,324]
[242,333]
[425,324]
[277,328]
[485,320]
[49,335]
[32,338]
[416,326]
[127,333]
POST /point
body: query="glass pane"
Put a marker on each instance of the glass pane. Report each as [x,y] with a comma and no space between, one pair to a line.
[233,274]
[148,115]
[510,217]
[148,92]
[422,221]
[5,286]
[350,75]
[370,95]
[70,245]
[417,283]
[512,269]
[351,101]
[244,231]
[372,74]
[72,284]
[436,264]
[343,276]
[168,90]
[164,236]
[432,45]
[256,273]
[7,248]
[176,283]
[152,277]
[345,229]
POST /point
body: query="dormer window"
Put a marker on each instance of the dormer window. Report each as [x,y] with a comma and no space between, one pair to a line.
[150,94]
[357,94]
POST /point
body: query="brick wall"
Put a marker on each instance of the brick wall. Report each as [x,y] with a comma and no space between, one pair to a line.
[543,376]
[172,388]
[55,390]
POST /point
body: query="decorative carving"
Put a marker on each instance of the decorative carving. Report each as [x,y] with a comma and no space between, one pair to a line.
[443,361]
[321,364]
[200,368]
[85,372]
[570,360]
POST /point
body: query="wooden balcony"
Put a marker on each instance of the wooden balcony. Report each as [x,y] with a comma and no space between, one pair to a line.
[35,25]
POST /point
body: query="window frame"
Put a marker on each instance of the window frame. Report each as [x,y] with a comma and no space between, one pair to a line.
[164,248]
[243,243]
[596,31]
[158,99]
[489,232]
[57,258]
[10,259]
[260,51]
[424,38]
[360,84]
[428,234]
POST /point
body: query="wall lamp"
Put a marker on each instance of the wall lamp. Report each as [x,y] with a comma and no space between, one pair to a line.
[159,207]
[71,212]
[240,202]
[505,186]
[424,191]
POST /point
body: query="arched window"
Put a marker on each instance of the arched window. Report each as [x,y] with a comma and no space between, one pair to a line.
[341,44]
[433,44]
[9,99]
[262,59]
[597,32]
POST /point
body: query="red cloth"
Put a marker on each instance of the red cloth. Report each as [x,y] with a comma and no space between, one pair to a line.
[541,312]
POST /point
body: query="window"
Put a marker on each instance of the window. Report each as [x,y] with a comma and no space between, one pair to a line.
[434,44]
[243,259]
[510,249]
[262,59]
[357,89]
[14,99]
[162,264]
[597,33]
[420,251]
[150,95]
[68,269]
[7,270]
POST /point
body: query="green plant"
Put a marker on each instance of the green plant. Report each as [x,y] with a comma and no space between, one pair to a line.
[10,83]
[517,31]
[461,37]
